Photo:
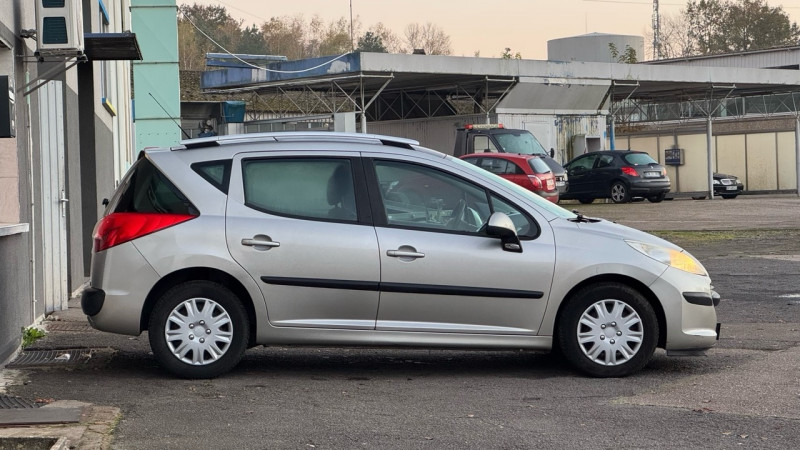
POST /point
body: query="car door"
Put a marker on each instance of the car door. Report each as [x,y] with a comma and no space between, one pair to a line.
[440,272]
[580,175]
[300,227]
[600,177]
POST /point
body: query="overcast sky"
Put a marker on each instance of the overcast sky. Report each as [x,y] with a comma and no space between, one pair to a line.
[485,26]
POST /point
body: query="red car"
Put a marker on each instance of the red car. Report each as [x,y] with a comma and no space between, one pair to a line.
[528,171]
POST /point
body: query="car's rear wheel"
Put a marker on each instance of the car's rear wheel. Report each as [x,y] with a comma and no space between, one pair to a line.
[198,329]
[607,330]
[658,198]
[620,193]
[586,201]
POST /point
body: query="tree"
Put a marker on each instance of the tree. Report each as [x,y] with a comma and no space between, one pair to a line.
[388,38]
[507,54]
[715,26]
[627,57]
[673,37]
[286,36]
[371,42]
[429,37]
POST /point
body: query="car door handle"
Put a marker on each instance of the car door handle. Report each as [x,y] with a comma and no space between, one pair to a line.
[260,243]
[404,254]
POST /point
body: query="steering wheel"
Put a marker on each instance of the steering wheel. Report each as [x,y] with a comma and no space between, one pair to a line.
[463,218]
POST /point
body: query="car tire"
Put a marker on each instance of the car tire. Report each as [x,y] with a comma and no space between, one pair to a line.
[183,337]
[608,347]
[586,201]
[729,196]
[620,192]
[656,198]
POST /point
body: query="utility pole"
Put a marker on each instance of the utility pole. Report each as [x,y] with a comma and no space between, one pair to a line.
[656,27]
[352,42]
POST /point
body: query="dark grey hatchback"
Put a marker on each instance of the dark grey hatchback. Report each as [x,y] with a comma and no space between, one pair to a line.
[617,174]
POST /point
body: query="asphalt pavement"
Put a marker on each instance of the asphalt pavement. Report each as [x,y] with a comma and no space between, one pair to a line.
[744,393]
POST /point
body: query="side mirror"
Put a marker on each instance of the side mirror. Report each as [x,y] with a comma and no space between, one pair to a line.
[501,226]
[552,153]
[105,202]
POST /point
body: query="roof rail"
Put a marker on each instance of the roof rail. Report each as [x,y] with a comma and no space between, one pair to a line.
[297,136]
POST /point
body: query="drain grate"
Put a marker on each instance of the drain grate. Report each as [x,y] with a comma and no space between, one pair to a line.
[68,326]
[32,358]
[9,402]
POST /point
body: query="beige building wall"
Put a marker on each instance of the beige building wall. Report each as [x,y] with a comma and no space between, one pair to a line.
[762,162]
[787,161]
[9,181]
[693,174]
[731,156]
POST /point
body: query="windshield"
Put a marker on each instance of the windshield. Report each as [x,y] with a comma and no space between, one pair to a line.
[519,190]
[522,143]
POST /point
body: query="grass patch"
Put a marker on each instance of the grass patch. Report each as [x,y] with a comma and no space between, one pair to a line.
[30,335]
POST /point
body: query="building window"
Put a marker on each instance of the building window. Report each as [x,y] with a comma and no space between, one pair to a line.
[105,82]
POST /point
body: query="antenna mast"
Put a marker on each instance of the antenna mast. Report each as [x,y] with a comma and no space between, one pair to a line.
[656,27]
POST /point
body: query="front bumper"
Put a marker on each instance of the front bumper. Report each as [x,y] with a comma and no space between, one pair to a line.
[720,189]
[689,309]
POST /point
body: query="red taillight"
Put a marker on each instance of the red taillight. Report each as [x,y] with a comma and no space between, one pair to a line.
[118,228]
[537,183]
[627,170]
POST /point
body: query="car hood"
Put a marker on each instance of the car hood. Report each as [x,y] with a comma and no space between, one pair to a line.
[720,176]
[602,228]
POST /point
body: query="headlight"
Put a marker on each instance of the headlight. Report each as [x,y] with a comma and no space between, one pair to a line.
[670,257]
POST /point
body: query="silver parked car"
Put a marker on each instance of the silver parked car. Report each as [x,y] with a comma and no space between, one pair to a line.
[224,243]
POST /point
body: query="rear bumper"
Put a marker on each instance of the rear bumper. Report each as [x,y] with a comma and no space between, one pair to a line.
[92,300]
[114,302]
[645,188]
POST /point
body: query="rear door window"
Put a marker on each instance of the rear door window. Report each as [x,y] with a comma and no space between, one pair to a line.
[308,188]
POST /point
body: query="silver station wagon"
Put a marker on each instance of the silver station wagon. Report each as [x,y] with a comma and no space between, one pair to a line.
[225,243]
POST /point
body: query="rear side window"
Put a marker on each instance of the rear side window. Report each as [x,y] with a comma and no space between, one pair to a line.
[639,159]
[305,188]
[538,165]
[218,173]
[146,190]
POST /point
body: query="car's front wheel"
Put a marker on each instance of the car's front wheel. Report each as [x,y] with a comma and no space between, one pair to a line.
[607,330]
[198,329]
[586,201]
[620,193]
[658,198]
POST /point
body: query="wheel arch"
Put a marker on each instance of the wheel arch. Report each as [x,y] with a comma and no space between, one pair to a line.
[633,283]
[194,274]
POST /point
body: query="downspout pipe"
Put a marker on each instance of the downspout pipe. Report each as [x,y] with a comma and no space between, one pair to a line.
[708,157]
[797,151]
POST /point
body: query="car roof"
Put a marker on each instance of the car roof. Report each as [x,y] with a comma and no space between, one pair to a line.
[228,145]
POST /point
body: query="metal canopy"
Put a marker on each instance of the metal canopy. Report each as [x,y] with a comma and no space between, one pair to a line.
[111,46]
[384,86]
